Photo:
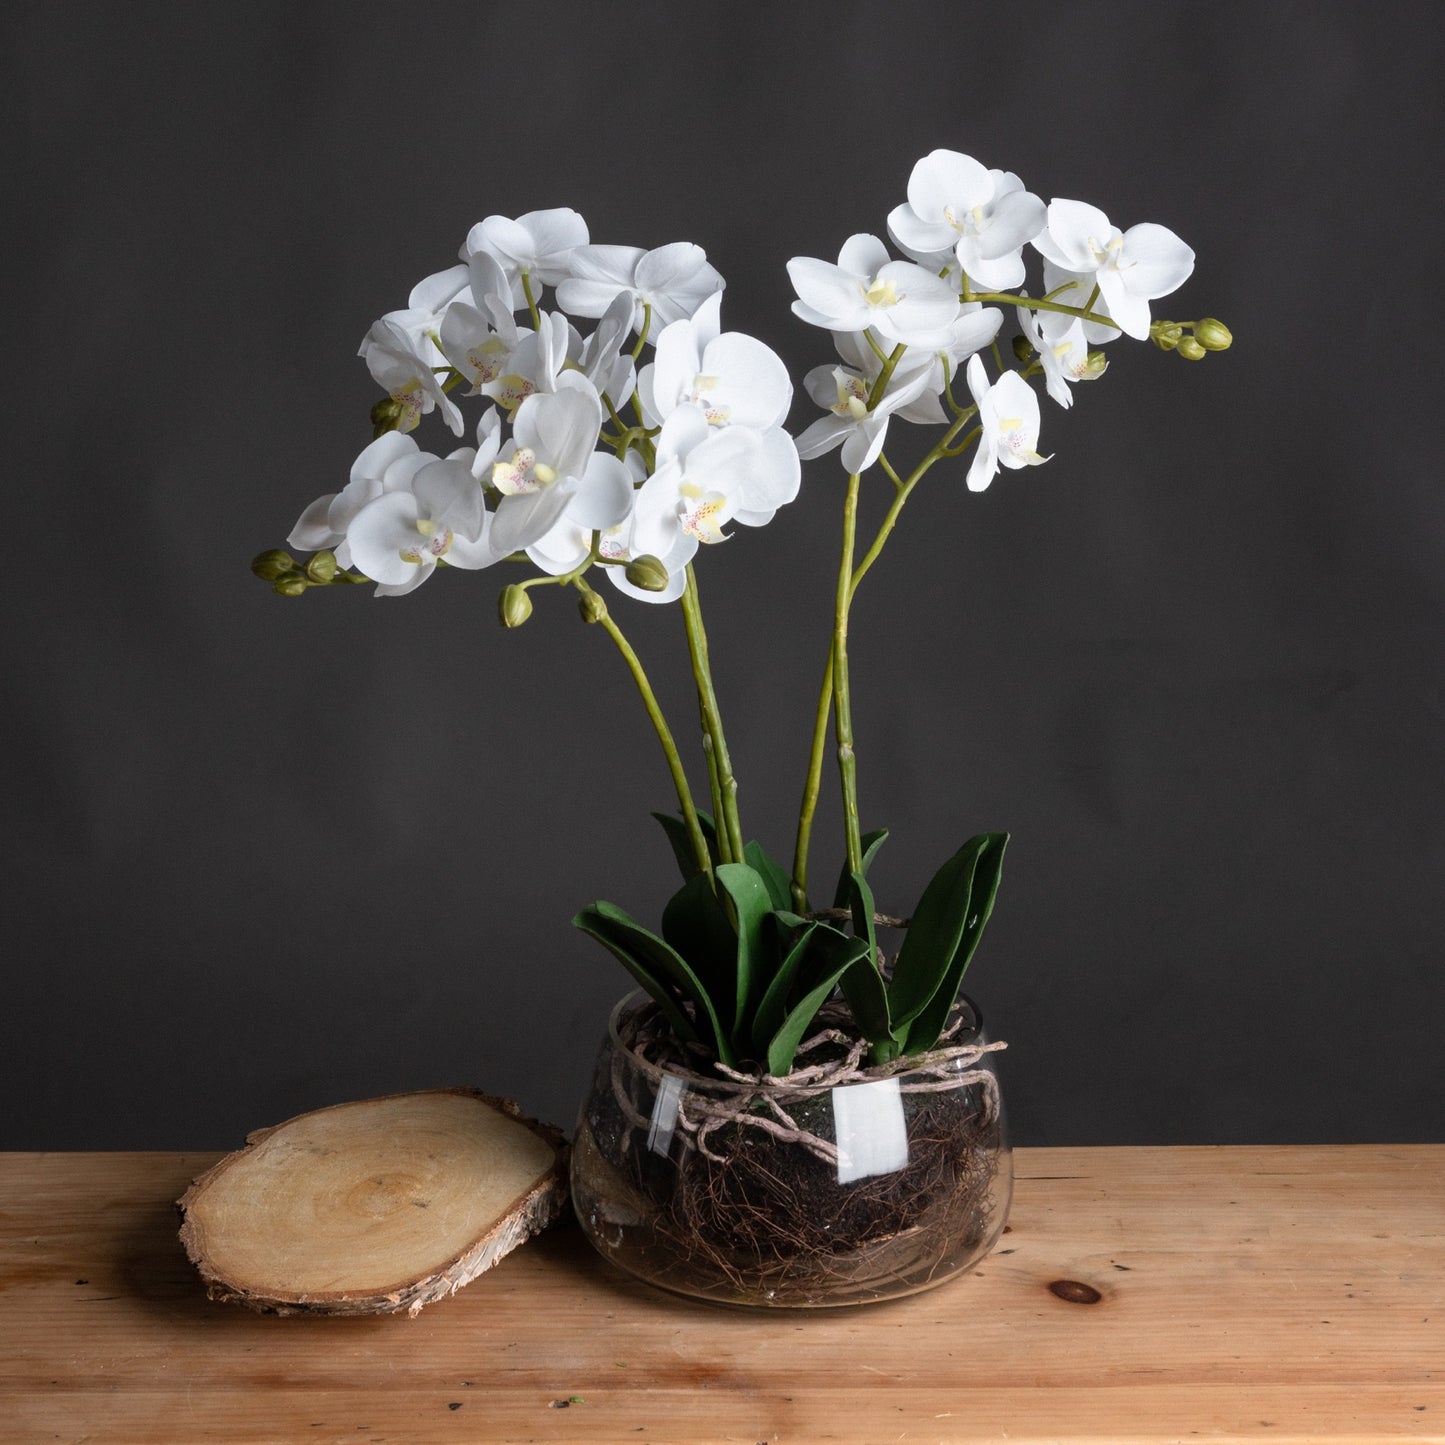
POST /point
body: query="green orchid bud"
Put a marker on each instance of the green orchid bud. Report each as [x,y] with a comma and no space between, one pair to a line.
[291,585]
[322,567]
[1023,348]
[386,416]
[648,573]
[592,607]
[1213,335]
[514,607]
[1191,350]
[273,564]
[1166,335]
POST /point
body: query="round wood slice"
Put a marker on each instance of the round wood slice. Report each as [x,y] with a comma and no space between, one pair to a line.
[375,1206]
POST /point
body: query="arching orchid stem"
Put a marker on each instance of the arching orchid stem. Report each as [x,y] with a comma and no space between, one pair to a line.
[842,697]
[664,736]
[880,386]
[531,299]
[812,786]
[1033,303]
[642,335]
[729,826]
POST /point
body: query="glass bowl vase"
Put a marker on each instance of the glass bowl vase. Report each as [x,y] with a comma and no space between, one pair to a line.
[837,1185]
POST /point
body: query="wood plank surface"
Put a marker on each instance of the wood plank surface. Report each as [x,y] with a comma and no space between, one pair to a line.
[1245,1294]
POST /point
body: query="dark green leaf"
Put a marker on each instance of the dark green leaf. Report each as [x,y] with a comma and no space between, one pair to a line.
[696,926]
[872,842]
[860,905]
[773,1007]
[846,953]
[749,905]
[677,835]
[779,883]
[867,997]
[657,967]
[924,1031]
[935,933]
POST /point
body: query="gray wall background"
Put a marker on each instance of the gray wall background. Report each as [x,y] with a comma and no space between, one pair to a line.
[265,855]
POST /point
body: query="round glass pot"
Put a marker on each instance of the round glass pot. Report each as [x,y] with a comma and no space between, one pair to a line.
[831,1187]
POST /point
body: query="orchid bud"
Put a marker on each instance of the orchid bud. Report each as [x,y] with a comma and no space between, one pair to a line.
[322,567]
[647,573]
[273,564]
[1191,350]
[1213,335]
[514,607]
[386,416]
[291,585]
[1023,348]
[1166,334]
[592,607]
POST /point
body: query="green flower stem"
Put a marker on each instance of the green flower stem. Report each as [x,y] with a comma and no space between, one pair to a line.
[813,785]
[842,697]
[664,736]
[880,384]
[646,327]
[729,827]
[531,300]
[812,788]
[1032,303]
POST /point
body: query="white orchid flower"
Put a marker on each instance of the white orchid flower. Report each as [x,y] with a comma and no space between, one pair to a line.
[898,299]
[323,524]
[603,361]
[707,477]
[844,392]
[398,538]
[407,376]
[539,244]
[974,329]
[551,471]
[1063,352]
[984,218]
[534,363]
[1008,414]
[673,280]
[1131,268]
[734,379]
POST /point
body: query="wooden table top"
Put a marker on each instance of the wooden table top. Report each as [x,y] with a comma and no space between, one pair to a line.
[1245,1294]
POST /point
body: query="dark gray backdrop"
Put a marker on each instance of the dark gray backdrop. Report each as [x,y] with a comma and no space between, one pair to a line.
[265,855]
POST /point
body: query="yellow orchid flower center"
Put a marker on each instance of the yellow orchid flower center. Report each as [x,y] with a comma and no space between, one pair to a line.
[882,293]
[852,397]
[700,518]
[438,544]
[521,472]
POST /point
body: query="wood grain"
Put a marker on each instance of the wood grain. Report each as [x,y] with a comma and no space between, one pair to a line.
[1283,1294]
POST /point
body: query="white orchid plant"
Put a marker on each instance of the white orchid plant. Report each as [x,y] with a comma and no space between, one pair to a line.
[624,452]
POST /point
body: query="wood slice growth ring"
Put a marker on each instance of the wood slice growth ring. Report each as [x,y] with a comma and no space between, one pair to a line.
[373,1207]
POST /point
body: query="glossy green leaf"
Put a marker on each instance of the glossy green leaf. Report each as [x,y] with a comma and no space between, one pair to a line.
[872,842]
[661,971]
[697,927]
[773,1006]
[682,850]
[860,904]
[867,995]
[923,1032]
[779,883]
[936,932]
[845,954]
[749,904]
